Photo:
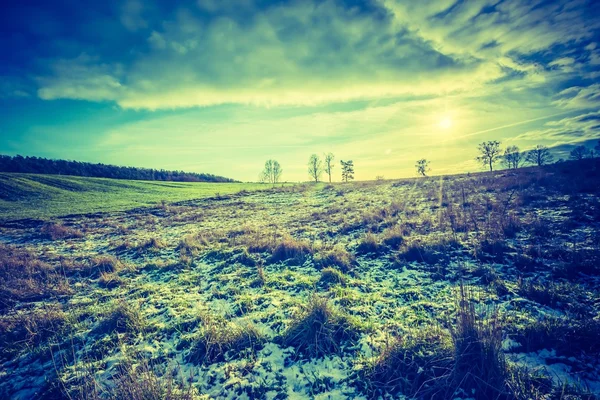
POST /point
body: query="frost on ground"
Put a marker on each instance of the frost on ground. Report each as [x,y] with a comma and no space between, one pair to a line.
[413,288]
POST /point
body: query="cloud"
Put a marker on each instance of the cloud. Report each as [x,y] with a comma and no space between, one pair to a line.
[131,15]
[307,53]
[82,78]
[569,130]
[287,54]
[579,97]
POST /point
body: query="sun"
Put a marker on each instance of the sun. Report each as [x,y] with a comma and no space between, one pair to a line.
[445,123]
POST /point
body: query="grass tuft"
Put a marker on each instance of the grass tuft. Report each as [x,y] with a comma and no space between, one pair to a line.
[319,329]
[216,337]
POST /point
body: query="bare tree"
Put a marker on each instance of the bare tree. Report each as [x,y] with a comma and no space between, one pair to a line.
[513,158]
[272,172]
[489,153]
[329,157]
[315,167]
[579,153]
[539,155]
[422,166]
[347,170]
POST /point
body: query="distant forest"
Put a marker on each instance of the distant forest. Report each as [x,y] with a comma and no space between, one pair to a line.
[38,165]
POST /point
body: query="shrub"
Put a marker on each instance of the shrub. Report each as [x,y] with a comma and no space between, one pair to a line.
[216,337]
[319,329]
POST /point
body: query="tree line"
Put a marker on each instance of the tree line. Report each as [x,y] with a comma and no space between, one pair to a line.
[38,165]
[490,153]
[317,166]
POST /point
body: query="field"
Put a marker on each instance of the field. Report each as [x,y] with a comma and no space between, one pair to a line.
[482,286]
[32,196]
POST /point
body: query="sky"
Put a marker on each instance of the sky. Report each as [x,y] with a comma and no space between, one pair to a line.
[220,86]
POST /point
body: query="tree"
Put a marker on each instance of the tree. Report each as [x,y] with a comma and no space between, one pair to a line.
[329,157]
[597,148]
[347,170]
[422,167]
[539,155]
[579,153]
[490,153]
[272,172]
[315,167]
[512,157]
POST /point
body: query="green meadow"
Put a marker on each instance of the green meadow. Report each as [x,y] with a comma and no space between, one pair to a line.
[34,196]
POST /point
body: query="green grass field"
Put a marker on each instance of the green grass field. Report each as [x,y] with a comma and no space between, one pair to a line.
[46,196]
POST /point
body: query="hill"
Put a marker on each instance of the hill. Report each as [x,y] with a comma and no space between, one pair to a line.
[36,196]
[480,286]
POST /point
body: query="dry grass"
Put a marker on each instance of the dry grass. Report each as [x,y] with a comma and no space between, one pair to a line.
[24,277]
[123,317]
[368,244]
[216,337]
[57,231]
[337,257]
[332,276]
[319,329]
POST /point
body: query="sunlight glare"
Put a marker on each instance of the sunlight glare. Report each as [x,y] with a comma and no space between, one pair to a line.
[446,123]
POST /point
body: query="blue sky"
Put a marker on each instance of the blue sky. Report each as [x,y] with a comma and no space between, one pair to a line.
[220,86]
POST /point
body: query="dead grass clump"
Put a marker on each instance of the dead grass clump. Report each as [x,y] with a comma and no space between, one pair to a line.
[427,252]
[24,277]
[261,276]
[57,231]
[336,257]
[216,337]
[492,250]
[332,276]
[31,327]
[139,379]
[393,237]
[123,317]
[109,280]
[191,244]
[290,249]
[479,365]
[319,329]
[416,365]
[568,336]
[152,244]
[368,245]
[102,264]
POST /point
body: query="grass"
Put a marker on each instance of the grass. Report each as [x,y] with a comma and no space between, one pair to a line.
[319,328]
[312,291]
[26,196]
[216,337]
